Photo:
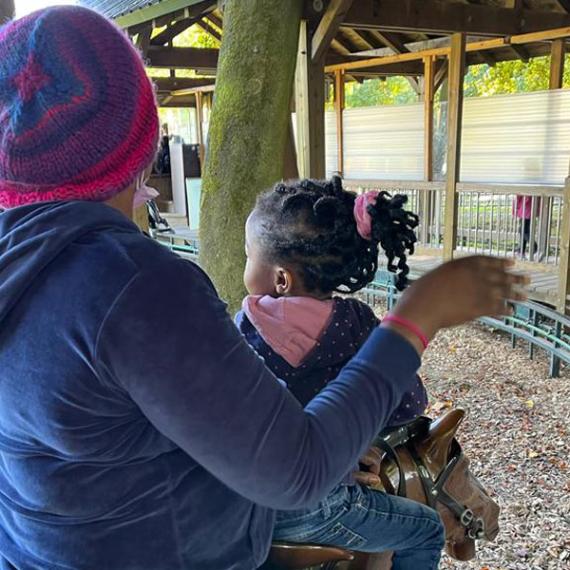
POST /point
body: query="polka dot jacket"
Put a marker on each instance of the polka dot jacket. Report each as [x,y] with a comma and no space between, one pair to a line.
[350,325]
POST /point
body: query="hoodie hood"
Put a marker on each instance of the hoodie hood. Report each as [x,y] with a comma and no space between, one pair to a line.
[310,333]
[292,326]
[31,237]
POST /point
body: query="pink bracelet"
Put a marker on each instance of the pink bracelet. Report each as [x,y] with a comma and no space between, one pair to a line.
[413,328]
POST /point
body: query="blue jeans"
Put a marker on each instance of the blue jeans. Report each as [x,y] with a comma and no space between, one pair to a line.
[359,518]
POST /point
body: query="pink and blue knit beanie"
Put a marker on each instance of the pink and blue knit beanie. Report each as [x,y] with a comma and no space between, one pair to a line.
[78,116]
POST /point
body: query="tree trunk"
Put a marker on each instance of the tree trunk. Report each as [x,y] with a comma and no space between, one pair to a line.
[248,130]
[6,10]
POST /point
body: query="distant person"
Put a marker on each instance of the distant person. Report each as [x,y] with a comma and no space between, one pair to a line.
[162,164]
[523,211]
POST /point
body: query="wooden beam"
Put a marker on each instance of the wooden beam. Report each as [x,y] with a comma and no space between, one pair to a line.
[209,30]
[215,20]
[199,129]
[565,4]
[521,52]
[143,40]
[339,47]
[193,90]
[557,57]
[363,40]
[182,58]
[173,30]
[437,16]
[445,50]
[290,168]
[424,202]
[429,94]
[392,41]
[164,9]
[168,84]
[328,27]
[454,121]
[310,108]
[339,110]
[440,74]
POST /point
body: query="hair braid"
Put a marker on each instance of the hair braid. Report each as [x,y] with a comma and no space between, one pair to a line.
[311,224]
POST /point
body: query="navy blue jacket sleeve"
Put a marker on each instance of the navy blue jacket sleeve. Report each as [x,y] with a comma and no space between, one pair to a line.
[183,362]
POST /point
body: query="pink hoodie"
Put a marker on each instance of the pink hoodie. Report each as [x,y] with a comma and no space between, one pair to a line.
[292,326]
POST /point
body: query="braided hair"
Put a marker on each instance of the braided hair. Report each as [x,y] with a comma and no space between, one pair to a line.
[311,225]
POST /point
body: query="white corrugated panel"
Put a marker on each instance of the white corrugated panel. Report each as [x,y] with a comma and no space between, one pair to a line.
[384,142]
[331,154]
[522,138]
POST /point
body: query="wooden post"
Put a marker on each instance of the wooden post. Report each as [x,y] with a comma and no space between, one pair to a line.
[424,202]
[290,169]
[557,54]
[429,87]
[310,108]
[564,269]
[199,127]
[339,108]
[454,120]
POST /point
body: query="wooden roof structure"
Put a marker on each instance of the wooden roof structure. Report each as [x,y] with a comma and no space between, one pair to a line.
[346,32]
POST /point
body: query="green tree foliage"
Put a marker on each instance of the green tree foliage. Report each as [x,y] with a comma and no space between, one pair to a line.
[393,91]
[480,81]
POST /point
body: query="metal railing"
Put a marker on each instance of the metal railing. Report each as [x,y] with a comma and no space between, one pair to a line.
[503,220]
[532,323]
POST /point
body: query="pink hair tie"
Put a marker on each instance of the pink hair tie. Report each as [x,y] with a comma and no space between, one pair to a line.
[361,214]
[413,328]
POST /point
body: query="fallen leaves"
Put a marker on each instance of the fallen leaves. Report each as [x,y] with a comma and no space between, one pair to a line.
[517,436]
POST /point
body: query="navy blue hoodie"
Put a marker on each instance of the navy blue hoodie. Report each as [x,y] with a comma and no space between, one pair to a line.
[138,430]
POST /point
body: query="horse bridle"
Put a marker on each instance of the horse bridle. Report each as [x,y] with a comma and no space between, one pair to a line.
[433,488]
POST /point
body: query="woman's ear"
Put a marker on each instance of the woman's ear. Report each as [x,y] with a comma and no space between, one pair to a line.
[284,282]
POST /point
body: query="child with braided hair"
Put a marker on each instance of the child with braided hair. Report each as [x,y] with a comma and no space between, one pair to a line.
[306,241]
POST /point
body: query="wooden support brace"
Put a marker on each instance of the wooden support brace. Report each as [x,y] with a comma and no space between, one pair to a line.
[424,202]
[328,27]
[339,109]
[564,268]
[557,56]
[310,108]
[454,120]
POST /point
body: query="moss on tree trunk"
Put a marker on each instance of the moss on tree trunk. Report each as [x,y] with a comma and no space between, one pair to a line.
[248,130]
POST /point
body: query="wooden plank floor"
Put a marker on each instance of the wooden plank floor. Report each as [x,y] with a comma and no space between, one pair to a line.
[543,286]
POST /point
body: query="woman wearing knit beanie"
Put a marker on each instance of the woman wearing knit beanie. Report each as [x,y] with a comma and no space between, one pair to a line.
[137,428]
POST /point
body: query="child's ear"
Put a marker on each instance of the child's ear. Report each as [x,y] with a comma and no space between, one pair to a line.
[283,282]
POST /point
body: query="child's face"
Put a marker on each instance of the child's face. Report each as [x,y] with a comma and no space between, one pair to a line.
[259,275]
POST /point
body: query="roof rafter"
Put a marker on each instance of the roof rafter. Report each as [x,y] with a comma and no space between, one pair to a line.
[328,27]
[435,16]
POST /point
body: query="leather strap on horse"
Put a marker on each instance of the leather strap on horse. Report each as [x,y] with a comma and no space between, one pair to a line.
[434,491]
[392,438]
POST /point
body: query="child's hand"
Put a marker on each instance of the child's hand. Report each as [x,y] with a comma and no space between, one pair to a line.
[458,292]
[370,468]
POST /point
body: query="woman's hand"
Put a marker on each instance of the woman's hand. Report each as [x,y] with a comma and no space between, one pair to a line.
[458,292]
[370,468]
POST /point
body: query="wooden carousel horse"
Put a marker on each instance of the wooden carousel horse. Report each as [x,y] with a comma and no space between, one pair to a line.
[424,462]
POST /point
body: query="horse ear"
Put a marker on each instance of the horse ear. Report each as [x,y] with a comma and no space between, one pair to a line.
[435,448]
[443,429]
